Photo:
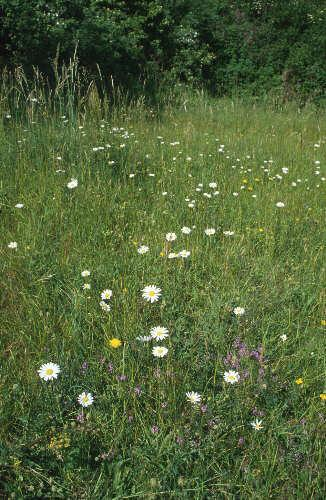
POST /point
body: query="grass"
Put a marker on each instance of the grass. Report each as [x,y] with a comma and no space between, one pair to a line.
[141,438]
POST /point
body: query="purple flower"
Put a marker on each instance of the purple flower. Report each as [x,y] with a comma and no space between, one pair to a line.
[84,367]
[138,390]
[110,367]
[80,418]
[179,440]
[155,429]
[203,408]
[241,441]
[122,378]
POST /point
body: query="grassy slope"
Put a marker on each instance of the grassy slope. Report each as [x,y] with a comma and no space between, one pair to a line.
[272,266]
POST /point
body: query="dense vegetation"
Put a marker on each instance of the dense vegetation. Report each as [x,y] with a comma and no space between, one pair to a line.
[225,45]
[88,197]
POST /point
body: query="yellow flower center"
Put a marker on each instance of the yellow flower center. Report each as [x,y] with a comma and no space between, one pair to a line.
[152,293]
[49,371]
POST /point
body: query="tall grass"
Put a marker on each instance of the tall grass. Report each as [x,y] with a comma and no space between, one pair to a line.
[141,438]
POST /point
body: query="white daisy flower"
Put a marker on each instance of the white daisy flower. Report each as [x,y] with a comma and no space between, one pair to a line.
[85,399]
[13,245]
[49,371]
[142,249]
[159,333]
[151,293]
[228,233]
[172,255]
[231,377]
[160,351]
[210,231]
[280,204]
[257,424]
[19,205]
[184,254]
[73,183]
[185,230]
[86,286]
[104,306]
[170,236]
[213,185]
[85,273]
[193,397]
[145,338]
[106,294]
[283,337]
[239,311]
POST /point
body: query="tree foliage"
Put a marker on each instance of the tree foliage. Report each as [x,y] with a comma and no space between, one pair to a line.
[223,44]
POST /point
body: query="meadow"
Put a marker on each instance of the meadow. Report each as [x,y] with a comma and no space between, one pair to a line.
[169,262]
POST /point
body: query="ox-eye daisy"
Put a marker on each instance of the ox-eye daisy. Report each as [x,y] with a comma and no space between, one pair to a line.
[106,294]
[159,332]
[184,254]
[210,231]
[104,306]
[231,377]
[85,273]
[159,351]
[239,311]
[151,293]
[257,424]
[48,371]
[142,249]
[170,236]
[185,230]
[193,397]
[85,399]
[73,183]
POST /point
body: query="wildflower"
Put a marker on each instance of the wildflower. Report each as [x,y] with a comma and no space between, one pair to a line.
[151,293]
[86,286]
[144,338]
[283,337]
[184,254]
[19,205]
[228,233]
[323,322]
[193,397]
[159,333]
[155,429]
[85,399]
[170,236]
[257,424]
[280,204]
[299,381]
[210,231]
[106,294]
[172,255]
[322,396]
[115,343]
[49,371]
[213,185]
[231,377]
[13,245]
[104,306]
[159,351]
[73,183]
[142,249]
[85,273]
[239,311]
[185,230]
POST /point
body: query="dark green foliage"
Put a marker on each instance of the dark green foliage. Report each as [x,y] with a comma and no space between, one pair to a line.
[225,45]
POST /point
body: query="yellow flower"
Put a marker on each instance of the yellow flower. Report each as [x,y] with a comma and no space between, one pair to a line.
[261,230]
[299,381]
[162,254]
[250,188]
[244,181]
[115,343]
[322,396]
[323,322]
